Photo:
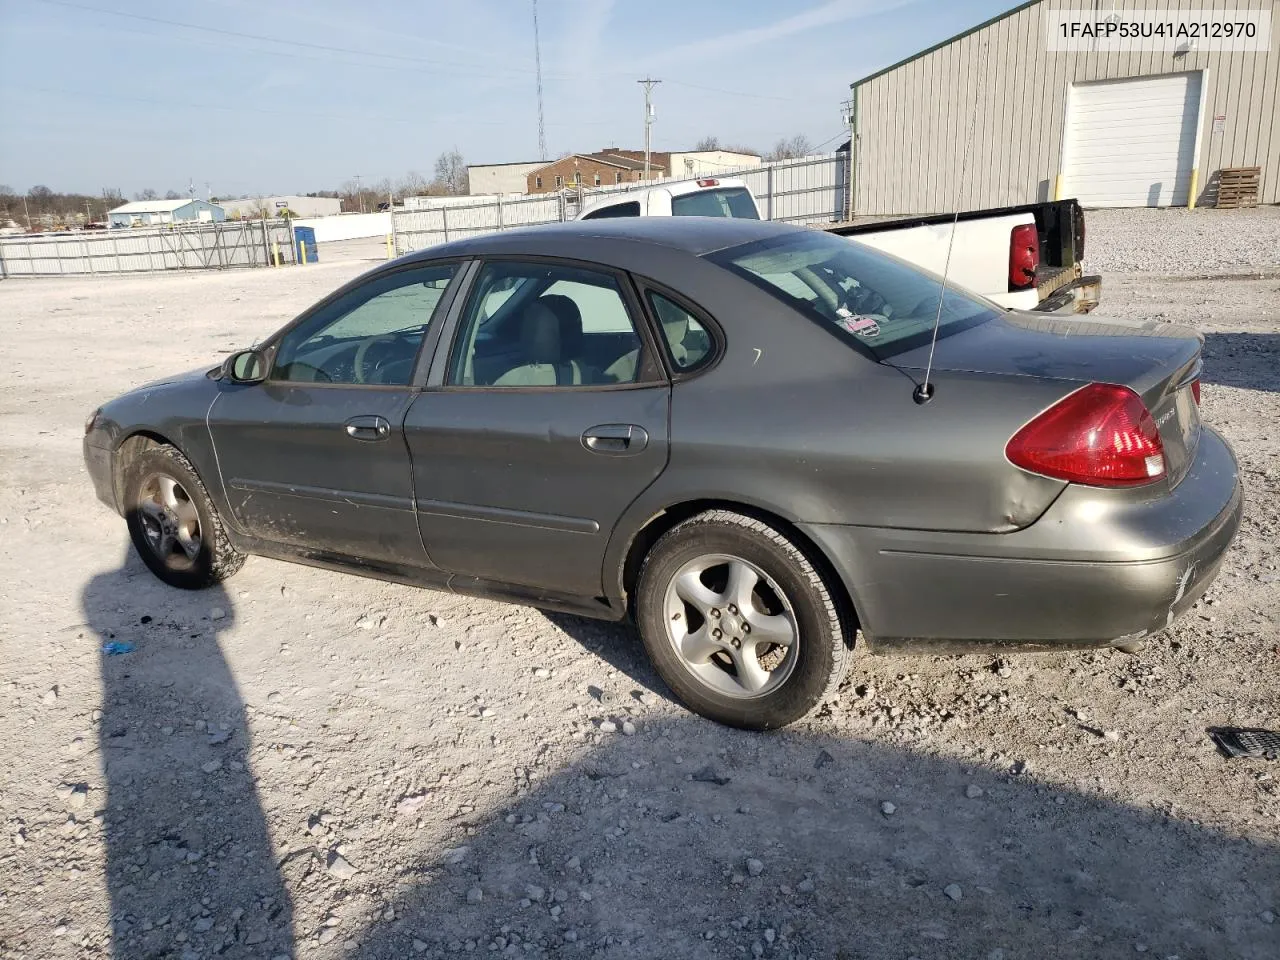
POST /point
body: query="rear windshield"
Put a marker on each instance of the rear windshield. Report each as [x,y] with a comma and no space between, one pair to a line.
[880,302]
[631,209]
[728,202]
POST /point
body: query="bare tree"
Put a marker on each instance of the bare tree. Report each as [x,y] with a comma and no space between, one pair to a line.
[147,194]
[173,195]
[785,149]
[707,143]
[739,148]
[40,193]
[413,184]
[451,172]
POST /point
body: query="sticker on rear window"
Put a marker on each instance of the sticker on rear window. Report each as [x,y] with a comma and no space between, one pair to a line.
[863,325]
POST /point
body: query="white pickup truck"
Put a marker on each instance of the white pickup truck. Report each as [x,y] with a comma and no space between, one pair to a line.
[1025,258]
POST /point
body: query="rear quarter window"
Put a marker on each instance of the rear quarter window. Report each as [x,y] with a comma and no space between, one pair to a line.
[631,209]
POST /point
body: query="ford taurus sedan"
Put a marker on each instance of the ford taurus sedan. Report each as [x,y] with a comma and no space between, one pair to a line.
[755,440]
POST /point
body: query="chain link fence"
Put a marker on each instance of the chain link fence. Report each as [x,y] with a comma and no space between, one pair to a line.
[205,246]
[806,190]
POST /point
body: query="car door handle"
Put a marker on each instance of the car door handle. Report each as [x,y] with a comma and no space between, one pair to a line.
[615,439]
[368,428]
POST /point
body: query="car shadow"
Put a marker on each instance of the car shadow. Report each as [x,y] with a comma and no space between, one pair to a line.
[691,840]
[1247,360]
[618,644]
[190,868]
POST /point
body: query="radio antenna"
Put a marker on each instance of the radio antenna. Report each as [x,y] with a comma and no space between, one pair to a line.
[923,392]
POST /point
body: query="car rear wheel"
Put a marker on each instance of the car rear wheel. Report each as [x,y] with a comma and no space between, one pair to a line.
[173,524]
[738,622]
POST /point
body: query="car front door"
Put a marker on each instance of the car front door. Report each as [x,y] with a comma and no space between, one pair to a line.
[526,449]
[314,456]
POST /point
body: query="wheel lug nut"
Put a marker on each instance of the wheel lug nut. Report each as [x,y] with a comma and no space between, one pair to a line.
[715,613]
[716,633]
[746,628]
[732,608]
[736,643]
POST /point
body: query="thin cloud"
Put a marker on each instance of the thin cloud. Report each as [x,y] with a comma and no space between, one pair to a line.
[834,11]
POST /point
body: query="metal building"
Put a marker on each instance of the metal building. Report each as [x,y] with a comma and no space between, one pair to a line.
[1149,128]
[253,208]
[147,213]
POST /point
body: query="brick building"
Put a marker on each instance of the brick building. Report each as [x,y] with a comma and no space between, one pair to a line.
[605,168]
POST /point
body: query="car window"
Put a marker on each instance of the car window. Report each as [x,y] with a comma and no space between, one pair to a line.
[688,341]
[631,209]
[729,202]
[370,335]
[883,303]
[559,327]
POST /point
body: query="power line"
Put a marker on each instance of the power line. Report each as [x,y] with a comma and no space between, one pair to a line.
[268,39]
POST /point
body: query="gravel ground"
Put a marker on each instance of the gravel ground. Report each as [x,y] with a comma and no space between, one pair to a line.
[1178,242]
[310,764]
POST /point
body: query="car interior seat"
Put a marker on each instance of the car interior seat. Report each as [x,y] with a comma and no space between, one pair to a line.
[544,362]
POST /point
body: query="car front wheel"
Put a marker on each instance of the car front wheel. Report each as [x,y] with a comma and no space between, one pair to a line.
[738,622]
[173,524]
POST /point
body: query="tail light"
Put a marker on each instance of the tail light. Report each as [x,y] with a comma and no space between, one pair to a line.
[1195,390]
[708,183]
[1102,435]
[1024,256]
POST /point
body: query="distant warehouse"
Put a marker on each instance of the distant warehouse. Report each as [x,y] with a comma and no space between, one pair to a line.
[150,213]
[254,208]
[1139,128]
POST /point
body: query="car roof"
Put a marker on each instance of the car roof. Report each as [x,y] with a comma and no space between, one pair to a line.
[693,235]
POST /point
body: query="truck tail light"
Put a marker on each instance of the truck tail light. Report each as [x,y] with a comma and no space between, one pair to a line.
[1024,256]
[1102,435]
[1195,390]
[708,183]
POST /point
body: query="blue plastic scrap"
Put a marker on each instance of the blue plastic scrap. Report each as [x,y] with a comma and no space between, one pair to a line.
[116,647]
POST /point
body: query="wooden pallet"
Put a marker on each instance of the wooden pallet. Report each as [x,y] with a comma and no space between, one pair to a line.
[1238,187]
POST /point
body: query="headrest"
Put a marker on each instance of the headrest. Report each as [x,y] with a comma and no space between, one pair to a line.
[540,334]
[570,322]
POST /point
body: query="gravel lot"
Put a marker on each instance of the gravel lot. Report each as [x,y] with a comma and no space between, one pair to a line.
[309,764]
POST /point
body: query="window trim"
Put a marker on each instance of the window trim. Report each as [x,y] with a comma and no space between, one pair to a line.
[537,182]
[651,373]
[559,181]
[645,287]
[271,345]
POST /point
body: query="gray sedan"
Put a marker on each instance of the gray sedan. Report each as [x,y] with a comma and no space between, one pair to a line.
[749,438]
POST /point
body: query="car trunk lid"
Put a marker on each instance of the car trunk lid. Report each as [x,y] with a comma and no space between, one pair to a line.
[1158,361]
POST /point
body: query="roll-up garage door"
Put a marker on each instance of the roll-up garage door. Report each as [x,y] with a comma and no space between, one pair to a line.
[1131,143]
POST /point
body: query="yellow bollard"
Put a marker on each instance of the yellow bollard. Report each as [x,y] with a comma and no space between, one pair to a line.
[391,254]
[1195,183]
[277,253]
[302,252]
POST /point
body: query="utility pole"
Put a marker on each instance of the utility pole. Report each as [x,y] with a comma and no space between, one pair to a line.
[648,85]
[537,62]
[26,213]
[359,196]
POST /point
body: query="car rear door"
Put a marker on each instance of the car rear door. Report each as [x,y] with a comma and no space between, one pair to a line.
[521,475]
[314,456]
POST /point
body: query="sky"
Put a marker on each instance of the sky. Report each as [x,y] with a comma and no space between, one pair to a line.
[291,96]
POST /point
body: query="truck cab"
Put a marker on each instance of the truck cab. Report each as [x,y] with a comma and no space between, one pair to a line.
[707,197]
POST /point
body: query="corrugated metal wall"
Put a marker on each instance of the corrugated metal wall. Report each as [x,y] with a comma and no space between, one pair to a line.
[912,121]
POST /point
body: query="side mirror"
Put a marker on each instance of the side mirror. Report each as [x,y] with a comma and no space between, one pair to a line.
[247,366]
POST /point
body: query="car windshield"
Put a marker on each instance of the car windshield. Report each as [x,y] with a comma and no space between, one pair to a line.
[880,302]
[727,202]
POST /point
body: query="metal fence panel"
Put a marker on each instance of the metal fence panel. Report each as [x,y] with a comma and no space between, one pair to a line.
[231,243]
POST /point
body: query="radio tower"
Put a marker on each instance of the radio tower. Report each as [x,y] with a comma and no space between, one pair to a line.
[537,59]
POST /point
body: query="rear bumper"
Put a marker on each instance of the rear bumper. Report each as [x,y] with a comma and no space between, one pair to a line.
[1086,572]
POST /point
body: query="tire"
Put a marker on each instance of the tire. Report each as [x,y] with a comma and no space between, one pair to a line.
[173,524]
[721,551]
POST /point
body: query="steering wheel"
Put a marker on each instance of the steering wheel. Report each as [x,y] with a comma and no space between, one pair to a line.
[361,367]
